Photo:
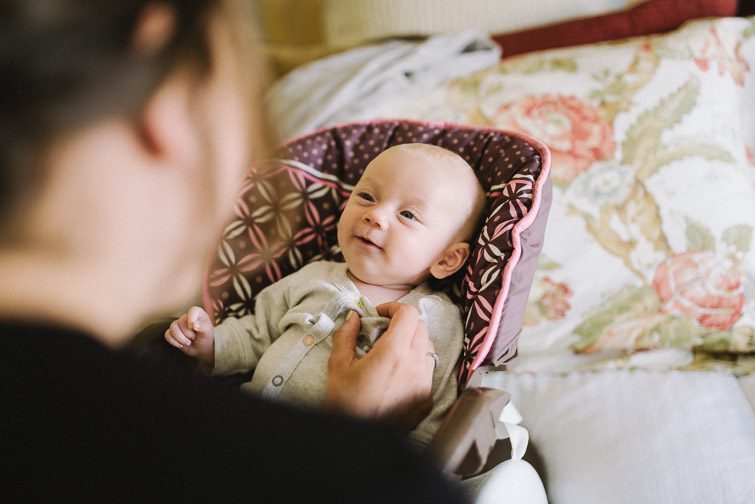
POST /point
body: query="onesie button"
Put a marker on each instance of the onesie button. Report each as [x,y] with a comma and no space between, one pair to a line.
[277,380]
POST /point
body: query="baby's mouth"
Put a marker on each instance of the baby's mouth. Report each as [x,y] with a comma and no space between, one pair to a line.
[365,241]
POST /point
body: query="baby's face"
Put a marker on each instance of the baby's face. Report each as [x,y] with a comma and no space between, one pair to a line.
[401,216]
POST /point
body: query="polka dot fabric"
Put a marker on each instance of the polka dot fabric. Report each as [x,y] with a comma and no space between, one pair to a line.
[287,212]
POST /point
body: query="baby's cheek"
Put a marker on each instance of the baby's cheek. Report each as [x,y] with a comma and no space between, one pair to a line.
[343,225]
[427,242]
[421,253]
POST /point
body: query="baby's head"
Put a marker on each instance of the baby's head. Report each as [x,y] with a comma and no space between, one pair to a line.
[410,216]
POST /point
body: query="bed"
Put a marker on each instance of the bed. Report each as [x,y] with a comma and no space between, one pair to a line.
[635,372]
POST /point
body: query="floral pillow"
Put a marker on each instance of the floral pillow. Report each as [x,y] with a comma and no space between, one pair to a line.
[649,257]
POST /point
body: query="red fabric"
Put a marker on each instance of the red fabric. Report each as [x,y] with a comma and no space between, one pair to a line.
[653,16]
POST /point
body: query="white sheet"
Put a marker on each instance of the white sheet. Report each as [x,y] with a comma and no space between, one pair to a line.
[638,436]
[354,84]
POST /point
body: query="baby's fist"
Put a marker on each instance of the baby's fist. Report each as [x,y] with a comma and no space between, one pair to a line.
[193,334]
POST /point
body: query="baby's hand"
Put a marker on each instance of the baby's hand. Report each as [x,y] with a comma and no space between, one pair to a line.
[193,334]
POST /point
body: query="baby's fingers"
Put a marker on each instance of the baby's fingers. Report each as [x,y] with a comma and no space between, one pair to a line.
[184,325]
[169,339]
[198,321]
[176,333]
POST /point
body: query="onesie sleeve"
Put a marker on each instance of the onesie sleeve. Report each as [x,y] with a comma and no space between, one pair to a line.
[444,324]
[240,342]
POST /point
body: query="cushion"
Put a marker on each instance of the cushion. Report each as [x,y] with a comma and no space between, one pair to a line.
[649,256]
[348,23]
[649,17]
[299,31]
[287,212]
[638,436]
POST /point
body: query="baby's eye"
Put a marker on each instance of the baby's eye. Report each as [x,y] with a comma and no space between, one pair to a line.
[366,196]
[407,214]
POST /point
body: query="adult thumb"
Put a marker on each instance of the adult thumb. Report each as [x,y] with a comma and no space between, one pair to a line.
[198,320]
[345,339]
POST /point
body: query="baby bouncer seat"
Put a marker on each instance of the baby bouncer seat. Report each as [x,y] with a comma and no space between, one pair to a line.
[286,216]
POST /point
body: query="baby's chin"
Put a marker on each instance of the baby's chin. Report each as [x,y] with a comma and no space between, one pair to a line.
[366,276]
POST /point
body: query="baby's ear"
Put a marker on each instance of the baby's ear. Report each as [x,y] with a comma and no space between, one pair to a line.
[450,261]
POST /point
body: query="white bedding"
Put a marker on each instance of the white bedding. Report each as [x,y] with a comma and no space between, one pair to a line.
[661,406]
[639,436]
[357,83]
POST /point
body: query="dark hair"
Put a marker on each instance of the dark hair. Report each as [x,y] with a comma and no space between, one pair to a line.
[66,63]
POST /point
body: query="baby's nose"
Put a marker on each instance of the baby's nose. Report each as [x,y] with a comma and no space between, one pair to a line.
[376,217]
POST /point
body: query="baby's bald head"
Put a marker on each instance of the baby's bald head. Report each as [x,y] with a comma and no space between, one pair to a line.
[450,173]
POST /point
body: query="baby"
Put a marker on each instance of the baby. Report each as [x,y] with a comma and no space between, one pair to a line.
[409,218]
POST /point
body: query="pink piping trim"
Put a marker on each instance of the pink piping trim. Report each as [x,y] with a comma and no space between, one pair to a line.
[521,226]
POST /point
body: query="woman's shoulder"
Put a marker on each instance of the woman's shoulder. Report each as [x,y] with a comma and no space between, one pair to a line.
[112,412]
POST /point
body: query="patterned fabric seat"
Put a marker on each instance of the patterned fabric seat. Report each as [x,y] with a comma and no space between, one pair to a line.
[287,212]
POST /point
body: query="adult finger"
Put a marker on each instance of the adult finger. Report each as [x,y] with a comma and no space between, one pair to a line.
[402,327]
[391,308]
[429,353]
[421,339]
[345,340]
[430,345]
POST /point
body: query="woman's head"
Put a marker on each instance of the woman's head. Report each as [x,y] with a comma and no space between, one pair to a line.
[124,132]
[65,64]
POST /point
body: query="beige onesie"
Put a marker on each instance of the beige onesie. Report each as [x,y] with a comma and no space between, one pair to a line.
[289,338]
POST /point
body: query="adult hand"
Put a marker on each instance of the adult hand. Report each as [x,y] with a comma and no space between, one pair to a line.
[394,380]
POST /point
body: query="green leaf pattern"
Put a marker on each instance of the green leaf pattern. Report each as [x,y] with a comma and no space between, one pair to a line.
[739,237]
[698,236]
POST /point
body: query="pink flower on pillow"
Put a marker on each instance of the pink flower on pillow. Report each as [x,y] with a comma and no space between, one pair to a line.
[750,153]
[701,286]
[550,300]
[570,127]
[728,59]
[555,300]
